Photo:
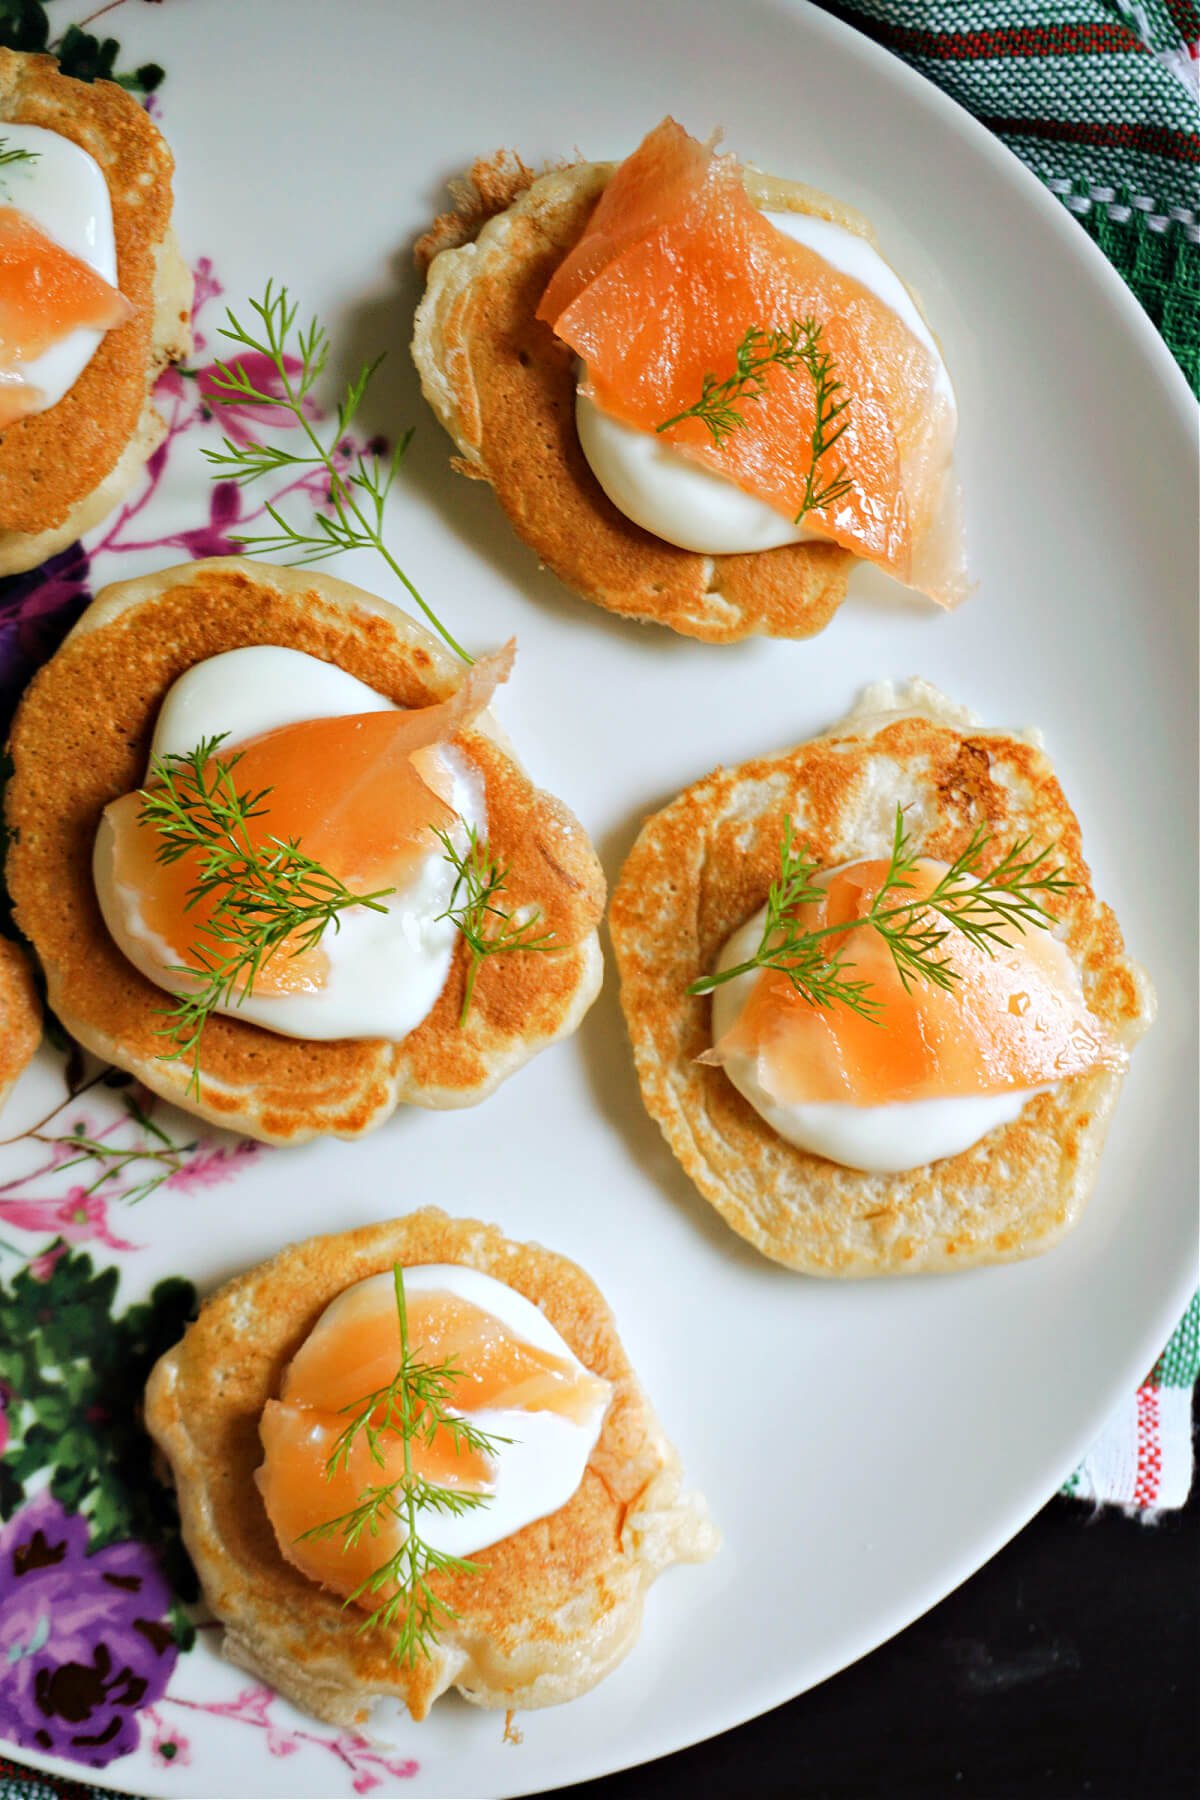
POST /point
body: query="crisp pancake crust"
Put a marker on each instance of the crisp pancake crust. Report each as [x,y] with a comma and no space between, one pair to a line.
[62,470]
[503,386]
[71,757]
[20,1015]
[702,867]
[560,1602]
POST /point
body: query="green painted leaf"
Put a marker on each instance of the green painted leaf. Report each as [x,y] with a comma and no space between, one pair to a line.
[74,1372]
[23,25]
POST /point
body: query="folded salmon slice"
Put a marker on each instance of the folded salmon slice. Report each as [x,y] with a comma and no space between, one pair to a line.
[353,1352]
[45,293]
[362,795]
[1014,1019]
[674,267]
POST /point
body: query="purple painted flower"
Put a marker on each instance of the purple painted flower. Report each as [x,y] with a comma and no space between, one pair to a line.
[214,539]
[84,1641]
[37,610]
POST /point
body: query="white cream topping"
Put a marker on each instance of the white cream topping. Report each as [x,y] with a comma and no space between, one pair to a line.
[386,969]
[543,1465]
[883,1140]
[64,192]
[691,506]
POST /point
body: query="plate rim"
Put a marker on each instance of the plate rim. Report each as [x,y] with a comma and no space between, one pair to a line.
[1174,1298]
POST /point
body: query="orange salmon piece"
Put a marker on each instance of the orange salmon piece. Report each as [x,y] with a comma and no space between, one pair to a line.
[299,1493]
[1015,1019]
[355,1348]
[45,293]
[354,1351]
[360,793]
[675,266]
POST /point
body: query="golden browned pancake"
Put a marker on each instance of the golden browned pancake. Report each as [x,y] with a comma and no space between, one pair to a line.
[702,867]
[504,386]
[81,738]
[558,1604]
[62,470]
[20,1015]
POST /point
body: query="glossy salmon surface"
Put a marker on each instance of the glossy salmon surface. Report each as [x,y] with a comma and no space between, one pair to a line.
[674,267]
[1014,1019]
[45,293]
[354,1352]
[361,794]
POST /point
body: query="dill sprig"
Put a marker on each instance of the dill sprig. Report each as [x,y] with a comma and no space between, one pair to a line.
[486,927]
[8,156]
[164,1156]
[413,1407]
[357,495]
[269,897]
[794,346]
[983,908]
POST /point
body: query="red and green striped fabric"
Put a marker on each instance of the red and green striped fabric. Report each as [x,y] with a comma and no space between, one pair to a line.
[1099,98]
[1143,1459]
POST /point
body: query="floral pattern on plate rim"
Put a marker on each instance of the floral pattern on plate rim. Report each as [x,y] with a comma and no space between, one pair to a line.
[99,1602]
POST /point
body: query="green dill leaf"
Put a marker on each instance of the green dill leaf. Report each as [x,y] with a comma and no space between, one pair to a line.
[356,496]
[985,908]
[8,157]
[794,346]
[413,1407]
[270,898]
[487,928]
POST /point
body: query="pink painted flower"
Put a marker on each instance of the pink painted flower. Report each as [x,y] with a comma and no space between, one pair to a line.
[207,288]
[170,384]
[168,1749]
[214,539]
[253,1707]
[362,1758]
[78,1218]
[42,1267]
[366,1763]
[212,1165]
[243,419]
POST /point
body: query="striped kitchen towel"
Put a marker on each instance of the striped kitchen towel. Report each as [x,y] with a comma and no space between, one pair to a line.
[1143,1460]
[1099,99]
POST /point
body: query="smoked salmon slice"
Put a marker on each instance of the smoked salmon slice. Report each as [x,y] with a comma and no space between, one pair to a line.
[45,293]
[353,1352]
[362,794]
[674,267]
[1014,1019]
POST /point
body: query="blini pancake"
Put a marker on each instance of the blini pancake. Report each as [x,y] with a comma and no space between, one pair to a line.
[504,386]
[558,1604]
[702,866]
[63,470]
[81,738]
[20,1015]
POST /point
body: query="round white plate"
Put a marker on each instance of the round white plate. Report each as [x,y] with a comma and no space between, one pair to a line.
[864,1447]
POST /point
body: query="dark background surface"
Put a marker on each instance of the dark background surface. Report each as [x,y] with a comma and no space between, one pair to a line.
[1066,1668]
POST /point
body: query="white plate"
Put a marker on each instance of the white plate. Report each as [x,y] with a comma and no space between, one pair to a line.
[864,1447]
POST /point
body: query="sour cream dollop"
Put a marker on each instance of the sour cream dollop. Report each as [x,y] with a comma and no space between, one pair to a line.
[386,969]
[882,1140]
[545,1429]
[64,192]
